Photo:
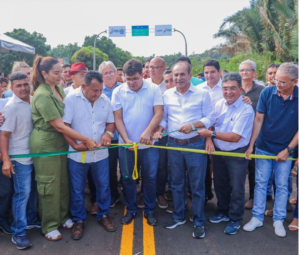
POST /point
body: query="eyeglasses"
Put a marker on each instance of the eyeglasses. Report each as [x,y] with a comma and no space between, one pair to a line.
[133,79]
[109,73]
[246,70]
[154,67]
[281,83]
[231,89]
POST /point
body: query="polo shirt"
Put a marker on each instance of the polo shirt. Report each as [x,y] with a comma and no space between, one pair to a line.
[108,92]
[179,110]
[280,120]
[253,94]
[215,93]
[235,118]
[137,108]
[161,86]
[18,121]
[89,121]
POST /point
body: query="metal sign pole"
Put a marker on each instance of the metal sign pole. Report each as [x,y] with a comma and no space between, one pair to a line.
[94,62]
[175,30]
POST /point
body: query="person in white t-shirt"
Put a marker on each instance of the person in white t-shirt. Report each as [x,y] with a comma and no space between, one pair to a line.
[157,68]
[77,73]
[138,109]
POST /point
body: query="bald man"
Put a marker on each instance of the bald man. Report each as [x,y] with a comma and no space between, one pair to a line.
[157,68]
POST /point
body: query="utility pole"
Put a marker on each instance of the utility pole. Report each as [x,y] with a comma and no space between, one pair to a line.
[175,30]
[94,62]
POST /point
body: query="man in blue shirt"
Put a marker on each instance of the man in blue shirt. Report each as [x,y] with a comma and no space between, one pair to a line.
[275,131]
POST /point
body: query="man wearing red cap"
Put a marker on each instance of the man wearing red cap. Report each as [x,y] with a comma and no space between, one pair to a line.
[77,73]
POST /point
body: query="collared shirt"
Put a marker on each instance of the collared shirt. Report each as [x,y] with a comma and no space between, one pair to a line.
[89,121]
[137,108]
[18,121]
[215,93]
[235,118]
[162,85]
[194,105]
[69,89]
[108,92]
[254,94]
[280,120]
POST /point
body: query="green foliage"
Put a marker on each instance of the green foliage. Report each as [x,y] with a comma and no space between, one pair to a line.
[86,54]
[34,39]
[65,51]
[106,45]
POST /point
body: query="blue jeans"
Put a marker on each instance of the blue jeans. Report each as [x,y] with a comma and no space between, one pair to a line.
[196,164]
[32,205]
[263,171]
[148,159]
[78,175]
[22,187]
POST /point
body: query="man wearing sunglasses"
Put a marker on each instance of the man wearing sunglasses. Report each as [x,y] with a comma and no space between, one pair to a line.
[275,133]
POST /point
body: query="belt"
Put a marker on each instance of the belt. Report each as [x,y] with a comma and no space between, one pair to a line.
[185,141]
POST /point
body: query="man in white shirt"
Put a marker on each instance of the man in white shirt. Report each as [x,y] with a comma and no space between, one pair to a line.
[138,109]
[186,108]
[15,134]
[233,128]
[77,73]
[157,68]
[89,112]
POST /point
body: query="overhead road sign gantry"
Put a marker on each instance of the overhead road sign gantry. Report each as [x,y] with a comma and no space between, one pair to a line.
[117,31]
[163,30]
[140,30]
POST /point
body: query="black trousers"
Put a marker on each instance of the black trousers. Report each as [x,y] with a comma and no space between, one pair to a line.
[162,171]
[6,192]
[208,180]
[229,182]
[113,156]
[251,177]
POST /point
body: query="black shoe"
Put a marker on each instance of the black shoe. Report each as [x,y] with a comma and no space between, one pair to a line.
[151,220]
[170,224]
[289,207]
[127,219]
[5,227]
[199,232]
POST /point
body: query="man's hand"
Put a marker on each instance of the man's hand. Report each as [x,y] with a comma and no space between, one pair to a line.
[91,144]
[145,138]
[246,100]
[209,146]
[156,135]
[282,156]
[7,168]
[81,147]
[248,152]
[205,132]
[187,128]
[129,142]
[106,140]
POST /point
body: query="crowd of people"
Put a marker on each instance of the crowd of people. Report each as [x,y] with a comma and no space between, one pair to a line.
[57,108]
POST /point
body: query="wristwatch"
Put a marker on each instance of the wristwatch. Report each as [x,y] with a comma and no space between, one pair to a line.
[213,136]
[290,150]
[110,134]
[193,127]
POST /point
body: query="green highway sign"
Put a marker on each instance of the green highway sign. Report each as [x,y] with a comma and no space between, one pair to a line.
[140,30]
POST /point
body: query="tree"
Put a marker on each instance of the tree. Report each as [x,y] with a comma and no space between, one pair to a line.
[65,51]
[35,39]
[106,45]
[86,54]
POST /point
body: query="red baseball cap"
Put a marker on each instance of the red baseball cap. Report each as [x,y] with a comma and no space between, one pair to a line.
[78,67]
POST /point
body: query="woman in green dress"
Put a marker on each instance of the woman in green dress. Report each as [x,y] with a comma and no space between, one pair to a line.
[51,173]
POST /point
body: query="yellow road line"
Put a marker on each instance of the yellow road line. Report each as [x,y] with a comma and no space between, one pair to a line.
[148,239]
[127,238]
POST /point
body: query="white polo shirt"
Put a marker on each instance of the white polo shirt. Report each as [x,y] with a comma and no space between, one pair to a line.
[69,89]
[18,121]
[137,108]
[89,121]
[215,93]
[236,118]
[162,85]
[194,105]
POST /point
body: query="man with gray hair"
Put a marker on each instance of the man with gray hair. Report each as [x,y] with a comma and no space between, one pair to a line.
[252,90]
[232,133]
[275,133]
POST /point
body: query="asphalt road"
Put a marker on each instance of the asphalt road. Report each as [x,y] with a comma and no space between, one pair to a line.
[167,242]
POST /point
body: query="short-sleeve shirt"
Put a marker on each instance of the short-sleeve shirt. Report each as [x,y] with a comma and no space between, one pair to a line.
[161,86]
[69,89]
[18,121]
[280,120]
[137,108]
[235,118]
[215,93]
[254,94]
[47,106]
[89,121]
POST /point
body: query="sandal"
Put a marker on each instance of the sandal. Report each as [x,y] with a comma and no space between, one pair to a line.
[54,235]
[269,213]
[293,226]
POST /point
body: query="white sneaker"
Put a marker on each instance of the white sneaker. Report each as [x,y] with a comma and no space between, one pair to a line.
[279,228]
[253,224]
[68,224]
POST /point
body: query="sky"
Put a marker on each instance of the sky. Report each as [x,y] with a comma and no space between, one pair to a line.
[69,21]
